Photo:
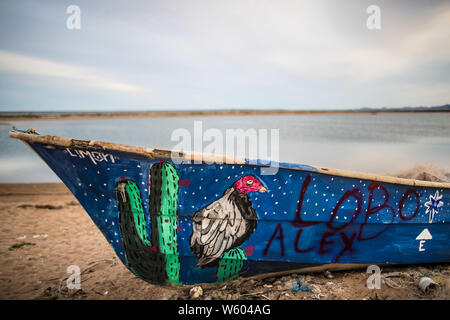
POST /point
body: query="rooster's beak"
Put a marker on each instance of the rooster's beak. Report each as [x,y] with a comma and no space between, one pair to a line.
[262,190]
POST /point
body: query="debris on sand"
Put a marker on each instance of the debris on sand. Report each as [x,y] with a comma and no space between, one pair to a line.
[398,282]
[43,236]
[20,245]
[73,203]
[48,206]
[196,292]
[300,287]
[425,173]
[40,206]
[427,284]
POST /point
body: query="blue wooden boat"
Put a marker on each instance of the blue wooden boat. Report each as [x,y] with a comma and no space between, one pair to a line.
[186,222]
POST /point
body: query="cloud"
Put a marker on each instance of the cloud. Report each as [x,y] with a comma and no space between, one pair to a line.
[334,57]
[80,76]
[226,54]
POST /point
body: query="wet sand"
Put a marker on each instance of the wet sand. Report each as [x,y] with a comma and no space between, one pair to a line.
[44,230]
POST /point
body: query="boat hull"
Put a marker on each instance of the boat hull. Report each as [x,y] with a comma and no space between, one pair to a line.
[308,216]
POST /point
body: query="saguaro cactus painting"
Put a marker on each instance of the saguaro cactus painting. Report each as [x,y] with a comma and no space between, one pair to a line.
[153,258]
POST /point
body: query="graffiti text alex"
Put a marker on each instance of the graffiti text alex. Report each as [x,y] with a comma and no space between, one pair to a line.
[346,233]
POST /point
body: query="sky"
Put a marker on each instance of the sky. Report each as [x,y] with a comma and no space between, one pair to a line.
[217,54]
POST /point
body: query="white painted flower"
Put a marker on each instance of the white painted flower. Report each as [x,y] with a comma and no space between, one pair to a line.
[433,205]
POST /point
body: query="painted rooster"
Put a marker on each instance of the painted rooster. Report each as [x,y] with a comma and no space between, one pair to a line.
[226,223]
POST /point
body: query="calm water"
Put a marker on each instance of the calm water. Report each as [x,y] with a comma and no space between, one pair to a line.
[379,143]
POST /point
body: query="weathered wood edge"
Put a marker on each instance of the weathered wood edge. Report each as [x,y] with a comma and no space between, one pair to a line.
[199,157]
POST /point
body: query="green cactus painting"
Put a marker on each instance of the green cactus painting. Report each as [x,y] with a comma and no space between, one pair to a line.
[163,211]
[153,255]
[230,265]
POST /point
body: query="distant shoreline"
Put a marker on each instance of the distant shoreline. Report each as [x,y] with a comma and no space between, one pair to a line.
[156,114]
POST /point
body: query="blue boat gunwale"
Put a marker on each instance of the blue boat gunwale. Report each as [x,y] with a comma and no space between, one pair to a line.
[32,137]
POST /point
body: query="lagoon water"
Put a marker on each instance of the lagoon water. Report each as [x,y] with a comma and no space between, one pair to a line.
[373,143]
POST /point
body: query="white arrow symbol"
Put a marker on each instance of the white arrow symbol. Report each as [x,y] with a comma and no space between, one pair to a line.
[424,235]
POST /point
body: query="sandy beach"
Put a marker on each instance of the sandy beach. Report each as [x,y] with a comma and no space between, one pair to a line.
[44,230]
[55,233]
[6,116]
